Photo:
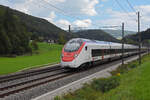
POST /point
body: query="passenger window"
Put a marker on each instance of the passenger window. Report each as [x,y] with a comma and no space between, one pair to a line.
[86,48]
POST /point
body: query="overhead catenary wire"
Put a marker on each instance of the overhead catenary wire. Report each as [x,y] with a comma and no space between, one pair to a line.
[131,6]
[66,13]
[61,11]
[74,17]
[123,9]
[100,27]
[71,16]
[114,26]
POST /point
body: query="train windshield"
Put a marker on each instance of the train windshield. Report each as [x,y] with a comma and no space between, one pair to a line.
[73,45]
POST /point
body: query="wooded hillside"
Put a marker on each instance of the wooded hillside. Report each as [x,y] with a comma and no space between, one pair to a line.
[96,34]
[14,38]
[40,27]
[145,37]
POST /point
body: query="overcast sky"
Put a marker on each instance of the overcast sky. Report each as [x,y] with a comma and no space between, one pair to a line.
[85,13]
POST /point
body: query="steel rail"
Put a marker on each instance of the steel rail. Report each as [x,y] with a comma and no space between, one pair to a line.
[28,74]
[2,95]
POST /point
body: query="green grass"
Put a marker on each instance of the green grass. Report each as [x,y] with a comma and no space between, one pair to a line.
[134,85]
[47,54]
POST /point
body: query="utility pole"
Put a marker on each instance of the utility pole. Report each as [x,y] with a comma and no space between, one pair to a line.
[139,38]
[149,48]
[69,28]
[122,43]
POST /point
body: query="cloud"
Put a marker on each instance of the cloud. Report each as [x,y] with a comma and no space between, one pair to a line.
[56,1]
[82,8]
[64,24]
[82,23]
[22,6]
[130,19]
[89,7]
[144,15]
[51,17]
[144,9]
[44,9]
[37,7]
[17,1]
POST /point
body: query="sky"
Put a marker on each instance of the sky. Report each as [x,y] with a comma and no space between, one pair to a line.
[87,14]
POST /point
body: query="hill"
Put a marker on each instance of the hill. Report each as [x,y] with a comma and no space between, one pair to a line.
[145,36]
[40,27]
[118,33]
[96,34]
[14,38]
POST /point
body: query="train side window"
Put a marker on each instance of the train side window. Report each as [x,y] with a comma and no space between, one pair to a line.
[97,52]
[86,48]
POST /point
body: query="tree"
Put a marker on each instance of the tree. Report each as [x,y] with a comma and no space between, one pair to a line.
[34,45]
[61,39]
[5,45]
[14,38]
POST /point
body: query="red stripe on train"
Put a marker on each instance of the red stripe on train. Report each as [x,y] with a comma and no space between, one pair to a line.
[69,56]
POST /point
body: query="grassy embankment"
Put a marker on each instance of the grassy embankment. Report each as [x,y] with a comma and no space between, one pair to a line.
[134,85]
[46,54]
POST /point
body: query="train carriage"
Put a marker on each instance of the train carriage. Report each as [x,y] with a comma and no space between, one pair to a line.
[79,51]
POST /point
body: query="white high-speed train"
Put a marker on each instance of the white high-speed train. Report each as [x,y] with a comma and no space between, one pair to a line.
[79,51]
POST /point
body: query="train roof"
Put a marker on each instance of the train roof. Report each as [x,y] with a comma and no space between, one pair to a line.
[97,42]
[89,41]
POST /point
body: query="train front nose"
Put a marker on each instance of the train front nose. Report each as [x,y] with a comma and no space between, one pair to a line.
[70,52]
[67,57]
[68,60]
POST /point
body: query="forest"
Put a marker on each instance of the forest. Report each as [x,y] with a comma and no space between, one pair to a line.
[145,37]
[14,38]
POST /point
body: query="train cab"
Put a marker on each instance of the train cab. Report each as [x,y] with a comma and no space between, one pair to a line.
[70,52]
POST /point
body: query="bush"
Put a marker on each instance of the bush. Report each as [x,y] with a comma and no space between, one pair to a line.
[57,98]
[133,65]
[121,69]
[34,45]
[106,84]
[86,93]
[61,39]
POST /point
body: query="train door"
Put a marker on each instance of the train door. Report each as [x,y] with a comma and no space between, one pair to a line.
[102,54]
[87,52]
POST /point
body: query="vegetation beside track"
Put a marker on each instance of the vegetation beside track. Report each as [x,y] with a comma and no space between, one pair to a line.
[46,54]
[134,84]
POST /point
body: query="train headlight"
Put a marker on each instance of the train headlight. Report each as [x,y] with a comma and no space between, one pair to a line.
[75,55]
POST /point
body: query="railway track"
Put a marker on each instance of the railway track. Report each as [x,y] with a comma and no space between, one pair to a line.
[12,89]
[27,84]
[21,86]
[46,75]
[28,74]
[22,81]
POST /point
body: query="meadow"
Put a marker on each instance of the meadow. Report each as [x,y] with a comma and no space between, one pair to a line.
[134,85]
[47,54]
